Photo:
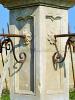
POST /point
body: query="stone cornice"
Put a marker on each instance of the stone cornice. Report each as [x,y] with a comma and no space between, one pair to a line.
[13,4]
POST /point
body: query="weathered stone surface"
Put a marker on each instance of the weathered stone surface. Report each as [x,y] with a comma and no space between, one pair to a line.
[23,3]
[48,82]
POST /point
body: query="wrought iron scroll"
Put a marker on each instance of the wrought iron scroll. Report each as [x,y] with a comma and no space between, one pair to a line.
[57,57]
[5,39]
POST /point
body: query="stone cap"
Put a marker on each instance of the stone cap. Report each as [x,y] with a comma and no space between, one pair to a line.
[13,4]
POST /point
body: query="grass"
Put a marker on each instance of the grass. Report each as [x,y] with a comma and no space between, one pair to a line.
[72,95]
[5,95]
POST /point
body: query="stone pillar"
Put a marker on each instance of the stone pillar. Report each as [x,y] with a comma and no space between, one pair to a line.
[48,83]
[37,79]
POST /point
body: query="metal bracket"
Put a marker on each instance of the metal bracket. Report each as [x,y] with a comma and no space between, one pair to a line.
[57,57]
[6,39]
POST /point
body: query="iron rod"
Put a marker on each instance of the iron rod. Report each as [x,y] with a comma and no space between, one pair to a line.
[65,35]
[12,35]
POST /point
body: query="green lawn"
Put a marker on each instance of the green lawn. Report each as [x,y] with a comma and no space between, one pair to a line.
[72,95]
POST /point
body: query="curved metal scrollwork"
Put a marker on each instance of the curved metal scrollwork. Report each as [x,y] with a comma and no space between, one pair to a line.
[7,43]
[57,57]
[5,40]
[8,40]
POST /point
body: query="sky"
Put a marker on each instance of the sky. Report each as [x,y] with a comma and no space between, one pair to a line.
[71,19]
[4,19]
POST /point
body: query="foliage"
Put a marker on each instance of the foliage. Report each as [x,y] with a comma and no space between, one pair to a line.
[5,95]
[72,95]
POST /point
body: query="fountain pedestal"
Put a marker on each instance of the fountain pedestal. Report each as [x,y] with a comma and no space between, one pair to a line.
[37,78]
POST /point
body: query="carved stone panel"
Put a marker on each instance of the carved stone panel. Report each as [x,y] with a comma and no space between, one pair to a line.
[25,76]
[55,78]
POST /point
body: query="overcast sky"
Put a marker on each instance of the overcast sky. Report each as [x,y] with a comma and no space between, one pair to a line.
[4,18]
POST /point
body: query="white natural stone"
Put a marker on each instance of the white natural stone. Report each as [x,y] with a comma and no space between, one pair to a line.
[48,83]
